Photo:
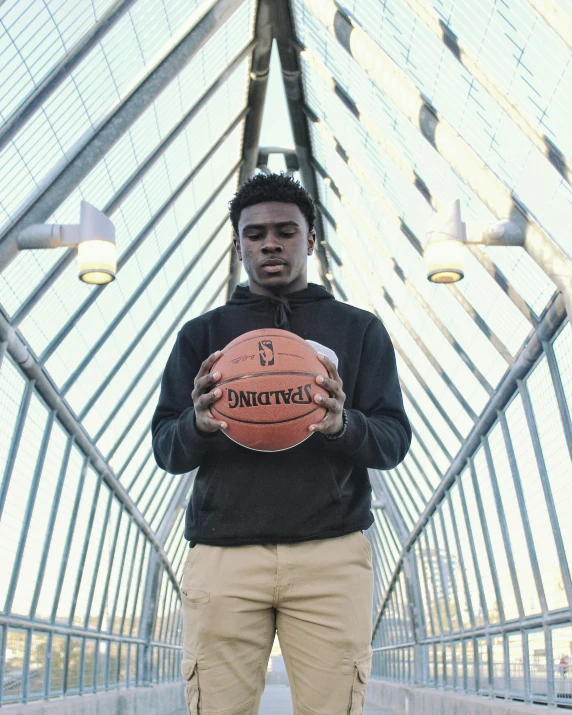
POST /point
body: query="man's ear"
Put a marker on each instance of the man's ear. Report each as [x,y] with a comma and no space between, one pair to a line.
[236,242]
[311,242]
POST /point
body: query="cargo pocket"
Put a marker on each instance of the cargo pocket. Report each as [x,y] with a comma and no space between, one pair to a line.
[195,595]
[191,677]
[362,669]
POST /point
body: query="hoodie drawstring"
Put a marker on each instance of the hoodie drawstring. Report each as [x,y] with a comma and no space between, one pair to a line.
[283,312]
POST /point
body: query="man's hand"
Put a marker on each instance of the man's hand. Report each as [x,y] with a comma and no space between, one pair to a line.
[333,420]
[203,399]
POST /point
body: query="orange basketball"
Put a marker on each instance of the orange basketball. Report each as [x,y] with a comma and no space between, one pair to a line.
[268,383]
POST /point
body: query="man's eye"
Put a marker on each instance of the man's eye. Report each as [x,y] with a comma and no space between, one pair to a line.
[288,234]
[253,237]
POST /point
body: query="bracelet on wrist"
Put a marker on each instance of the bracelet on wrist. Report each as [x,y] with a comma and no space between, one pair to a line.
[342,432]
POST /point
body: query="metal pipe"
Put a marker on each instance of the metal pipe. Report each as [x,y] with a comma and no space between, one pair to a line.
[462,53]
[556,18]
[59,629]
[151,321]
[143,235]
[398,270]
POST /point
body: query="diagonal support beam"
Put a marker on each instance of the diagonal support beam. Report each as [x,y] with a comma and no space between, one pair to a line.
[393,216]
[115,125]
[259,71]
[283,27]
[62,70]
[466,163]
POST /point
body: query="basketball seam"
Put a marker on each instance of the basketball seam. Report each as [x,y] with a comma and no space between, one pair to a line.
[277,422]
[267,374]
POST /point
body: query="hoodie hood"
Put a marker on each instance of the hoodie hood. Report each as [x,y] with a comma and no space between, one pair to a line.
[281,304]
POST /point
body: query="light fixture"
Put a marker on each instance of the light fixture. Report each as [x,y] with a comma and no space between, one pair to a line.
[447,237]
[445,248]
[94,239]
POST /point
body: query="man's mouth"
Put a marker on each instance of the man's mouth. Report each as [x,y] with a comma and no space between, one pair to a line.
[273,265]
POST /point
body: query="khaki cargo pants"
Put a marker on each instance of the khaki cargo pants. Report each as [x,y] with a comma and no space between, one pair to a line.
[317,595]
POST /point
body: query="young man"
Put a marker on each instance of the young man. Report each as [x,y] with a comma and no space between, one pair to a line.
[277,537]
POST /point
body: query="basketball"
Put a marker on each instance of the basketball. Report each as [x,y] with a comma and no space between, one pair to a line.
[268,384]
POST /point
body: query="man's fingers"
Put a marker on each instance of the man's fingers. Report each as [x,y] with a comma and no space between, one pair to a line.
[331,386]
[203,415]
[331,368]
[205,383]
[330,403]
[207,364]
[207,423]
[206,400]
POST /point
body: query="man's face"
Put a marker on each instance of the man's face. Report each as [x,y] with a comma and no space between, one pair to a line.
[274,243]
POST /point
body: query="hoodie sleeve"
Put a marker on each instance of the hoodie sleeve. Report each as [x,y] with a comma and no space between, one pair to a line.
[178,445]
[378,433]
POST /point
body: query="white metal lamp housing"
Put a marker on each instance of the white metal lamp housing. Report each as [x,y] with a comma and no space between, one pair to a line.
[94,238]
[96,251]
[445,248]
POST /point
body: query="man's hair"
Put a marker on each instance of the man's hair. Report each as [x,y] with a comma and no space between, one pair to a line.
[272,187]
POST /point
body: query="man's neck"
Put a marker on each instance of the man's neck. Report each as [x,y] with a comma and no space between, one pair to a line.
[279,291]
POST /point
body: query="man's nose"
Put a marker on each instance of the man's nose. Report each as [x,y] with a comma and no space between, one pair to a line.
[271,242]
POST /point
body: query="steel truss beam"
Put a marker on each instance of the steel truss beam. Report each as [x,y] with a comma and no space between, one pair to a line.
[115,125]
[153,388]
[134,179]
[466,163]
[42,383]
[400,160]
[62,70]
[509,385]
[259,71]
[283,27]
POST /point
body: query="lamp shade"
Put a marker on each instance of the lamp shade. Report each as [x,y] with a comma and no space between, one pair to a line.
[96,251]
[445,261]
[445,248]
[97,261]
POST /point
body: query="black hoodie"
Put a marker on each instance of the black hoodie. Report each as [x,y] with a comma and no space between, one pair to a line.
[316,490]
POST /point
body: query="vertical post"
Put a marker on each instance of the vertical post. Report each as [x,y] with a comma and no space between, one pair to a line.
[152,580]
[259,71]
[283,28]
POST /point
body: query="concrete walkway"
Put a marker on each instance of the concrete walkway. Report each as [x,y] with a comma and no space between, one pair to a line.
[277,701]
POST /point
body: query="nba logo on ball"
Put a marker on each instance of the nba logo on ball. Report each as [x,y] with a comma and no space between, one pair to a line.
[266,351]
